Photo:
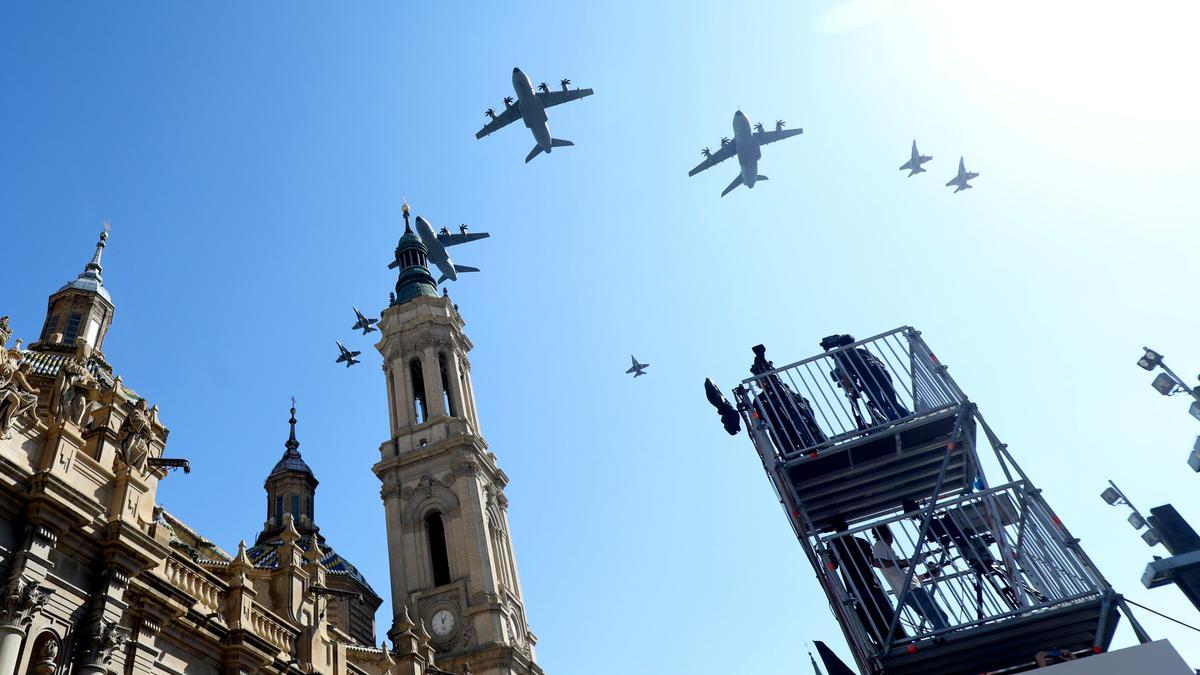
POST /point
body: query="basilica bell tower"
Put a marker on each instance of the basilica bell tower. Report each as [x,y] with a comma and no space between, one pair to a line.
[451,558]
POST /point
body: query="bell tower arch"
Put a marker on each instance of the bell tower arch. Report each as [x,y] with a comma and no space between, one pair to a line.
[451,559]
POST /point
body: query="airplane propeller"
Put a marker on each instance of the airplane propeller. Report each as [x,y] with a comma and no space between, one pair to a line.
[565,83]
[724,140]
[508,101]
[779,124]
[490,113]
[758,127]
[706,152]
[543,88]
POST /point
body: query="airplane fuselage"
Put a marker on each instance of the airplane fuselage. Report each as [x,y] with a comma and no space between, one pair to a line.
[435,251]
[748,151]
[533,113]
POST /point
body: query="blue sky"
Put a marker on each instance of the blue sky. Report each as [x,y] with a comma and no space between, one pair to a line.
[252,159]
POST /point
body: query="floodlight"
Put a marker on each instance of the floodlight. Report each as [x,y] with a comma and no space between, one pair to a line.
[1151,537]
[1150,360]
[1111,495]
[1136,520]
[1164,384]
[1195,409]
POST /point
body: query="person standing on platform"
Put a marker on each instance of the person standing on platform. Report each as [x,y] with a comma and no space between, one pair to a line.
[853,557]
[894,569]
[860,369]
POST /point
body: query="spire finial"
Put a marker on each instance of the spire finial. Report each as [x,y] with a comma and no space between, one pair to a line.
[292,444]
[404,210]
[92,269]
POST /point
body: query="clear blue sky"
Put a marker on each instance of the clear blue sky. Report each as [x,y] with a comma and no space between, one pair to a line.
[252,158]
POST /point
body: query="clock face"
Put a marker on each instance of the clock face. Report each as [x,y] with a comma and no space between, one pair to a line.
[443,622]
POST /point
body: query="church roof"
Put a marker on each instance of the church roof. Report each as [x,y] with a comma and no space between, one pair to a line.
[266,555]
[47,364]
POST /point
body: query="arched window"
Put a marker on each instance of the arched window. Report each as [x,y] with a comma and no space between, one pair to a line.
[296,508]
[278,510]
[435,529]
[72,329]
[420,407]
[447,400]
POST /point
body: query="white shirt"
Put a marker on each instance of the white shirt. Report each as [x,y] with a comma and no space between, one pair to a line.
[892,573]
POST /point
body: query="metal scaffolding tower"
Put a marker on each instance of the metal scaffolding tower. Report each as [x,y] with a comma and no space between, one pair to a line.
[875,455]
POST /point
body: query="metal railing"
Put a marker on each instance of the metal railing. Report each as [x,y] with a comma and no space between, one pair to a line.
[847,392]
[981,558]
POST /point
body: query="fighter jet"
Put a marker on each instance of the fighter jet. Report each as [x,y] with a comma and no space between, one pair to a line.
[437,243]
[746,144]
[960,181]
[347,356]
[531,107]
[363,322]
[638,369]
[914,163]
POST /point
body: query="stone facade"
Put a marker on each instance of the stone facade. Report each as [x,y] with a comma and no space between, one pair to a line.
[96,578]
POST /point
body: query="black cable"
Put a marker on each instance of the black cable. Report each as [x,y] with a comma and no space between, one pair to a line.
[1163,615]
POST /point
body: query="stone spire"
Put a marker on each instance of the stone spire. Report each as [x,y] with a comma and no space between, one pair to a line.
[291,489]
[89,279]
[82,310]
[415,279]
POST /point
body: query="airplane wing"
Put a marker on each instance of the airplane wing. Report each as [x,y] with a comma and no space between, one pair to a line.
[723,153]
[907,165]
[553,98]
[765,137]
[456,239]
[511,114]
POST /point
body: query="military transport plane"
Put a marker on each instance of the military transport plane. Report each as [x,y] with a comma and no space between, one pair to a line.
[746,144]
[638,369]
[960,181]
[913,165]
[347,356]
[437,243]
[363,322]
[531,107]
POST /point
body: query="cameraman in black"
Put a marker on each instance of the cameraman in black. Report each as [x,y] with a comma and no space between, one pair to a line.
[788,414]
[858,370]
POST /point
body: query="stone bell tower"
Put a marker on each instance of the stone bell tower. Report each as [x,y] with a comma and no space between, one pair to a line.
[452,562]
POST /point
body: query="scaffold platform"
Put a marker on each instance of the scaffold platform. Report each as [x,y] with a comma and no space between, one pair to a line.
[882,466]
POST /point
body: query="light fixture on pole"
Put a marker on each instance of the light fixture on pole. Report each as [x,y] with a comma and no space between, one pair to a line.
[1113,496]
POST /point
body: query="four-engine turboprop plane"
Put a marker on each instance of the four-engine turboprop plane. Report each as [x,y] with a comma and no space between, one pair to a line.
[960,181]
[913,165]
[746,144]
[531,107]
[436,245]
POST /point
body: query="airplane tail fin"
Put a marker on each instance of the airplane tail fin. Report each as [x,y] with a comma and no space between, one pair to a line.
[446,276]
[464,268]
[736,182]
[532,153]
[559,143]
[762,177]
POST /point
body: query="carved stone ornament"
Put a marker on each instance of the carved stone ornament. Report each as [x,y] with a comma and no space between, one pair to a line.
[136,436]
[106,637]
[23,600]
[5,331]
[17,396]
[74,388]
[426,486]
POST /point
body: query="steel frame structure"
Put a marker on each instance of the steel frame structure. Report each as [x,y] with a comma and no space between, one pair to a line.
[984,576]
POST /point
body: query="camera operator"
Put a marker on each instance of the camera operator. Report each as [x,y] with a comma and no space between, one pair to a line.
[789,415]
[860,370]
